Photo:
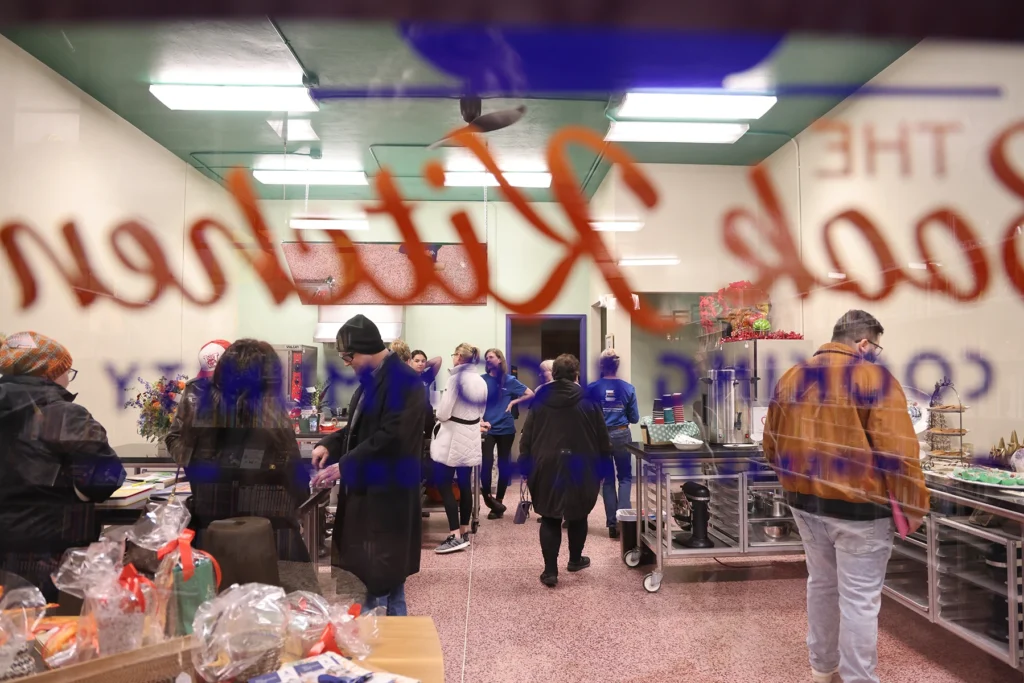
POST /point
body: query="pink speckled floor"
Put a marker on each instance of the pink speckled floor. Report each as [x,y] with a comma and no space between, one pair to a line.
[708,623]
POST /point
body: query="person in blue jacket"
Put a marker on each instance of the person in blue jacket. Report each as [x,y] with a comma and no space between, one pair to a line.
[503,393]
[617,399]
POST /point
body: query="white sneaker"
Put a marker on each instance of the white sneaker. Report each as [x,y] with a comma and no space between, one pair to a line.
[819,677]
[452,544]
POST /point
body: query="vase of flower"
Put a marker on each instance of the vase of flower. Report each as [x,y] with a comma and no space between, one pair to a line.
[157,402]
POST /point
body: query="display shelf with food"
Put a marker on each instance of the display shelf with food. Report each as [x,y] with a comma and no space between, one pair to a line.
[944,441]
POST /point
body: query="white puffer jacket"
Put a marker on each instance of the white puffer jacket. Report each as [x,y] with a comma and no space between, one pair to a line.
[465,397]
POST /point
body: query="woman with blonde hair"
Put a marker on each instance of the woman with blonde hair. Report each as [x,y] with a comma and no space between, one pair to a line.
[402,350]
[454,448]
[503,393]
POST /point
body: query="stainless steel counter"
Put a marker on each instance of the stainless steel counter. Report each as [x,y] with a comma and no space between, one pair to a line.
[739,481]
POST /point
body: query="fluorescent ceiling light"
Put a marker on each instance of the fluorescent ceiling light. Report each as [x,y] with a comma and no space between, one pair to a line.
[616,226]
[689,106]
[479,179]
[918,265]
[234,97]
[272,177]
[298,130]
[675,131]
[837,276]
[650,261]
[348,224]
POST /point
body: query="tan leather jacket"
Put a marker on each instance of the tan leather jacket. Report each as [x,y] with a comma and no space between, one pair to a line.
[840,438]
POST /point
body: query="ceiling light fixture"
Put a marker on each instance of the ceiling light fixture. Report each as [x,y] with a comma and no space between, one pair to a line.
[275,177]
[616,226]
[480,179]
[918,265]
[297,130]
[347,224]
[675,131]
[650,261]
[695,106]
[837,276]
[234,97]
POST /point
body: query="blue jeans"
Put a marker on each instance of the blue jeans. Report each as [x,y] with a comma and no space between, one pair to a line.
[394,602]
[846,564]
[623,473]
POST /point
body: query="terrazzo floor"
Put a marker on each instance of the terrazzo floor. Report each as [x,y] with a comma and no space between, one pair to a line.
[708,623]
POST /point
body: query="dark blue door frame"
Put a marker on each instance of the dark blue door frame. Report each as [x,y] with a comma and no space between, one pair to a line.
[582,319]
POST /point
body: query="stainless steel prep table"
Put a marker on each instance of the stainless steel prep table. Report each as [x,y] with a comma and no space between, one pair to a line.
[730,474]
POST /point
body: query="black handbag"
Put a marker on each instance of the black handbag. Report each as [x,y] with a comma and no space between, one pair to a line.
[523,508]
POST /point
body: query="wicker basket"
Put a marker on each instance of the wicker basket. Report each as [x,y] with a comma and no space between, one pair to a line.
[155,664]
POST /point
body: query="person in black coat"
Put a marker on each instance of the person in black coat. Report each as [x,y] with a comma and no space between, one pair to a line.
[238,449]
[563,452]
[377,459]
[55,461]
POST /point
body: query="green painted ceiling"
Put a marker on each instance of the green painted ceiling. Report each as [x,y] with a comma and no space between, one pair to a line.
[115,63]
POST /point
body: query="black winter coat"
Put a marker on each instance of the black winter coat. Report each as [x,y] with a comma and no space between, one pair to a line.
[564,451]
[378,527]
[49,446]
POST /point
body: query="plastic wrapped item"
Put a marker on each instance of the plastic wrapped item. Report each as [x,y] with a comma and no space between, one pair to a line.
[159,544]
[115,599]
[309,615]
[22,607]
[353,630]
[240,634]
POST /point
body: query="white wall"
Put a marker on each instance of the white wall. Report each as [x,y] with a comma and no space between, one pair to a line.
[686,223]
[63,157]
[520,261]
[918,320]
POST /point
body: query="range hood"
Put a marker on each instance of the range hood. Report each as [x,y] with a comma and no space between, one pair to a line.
[388,319]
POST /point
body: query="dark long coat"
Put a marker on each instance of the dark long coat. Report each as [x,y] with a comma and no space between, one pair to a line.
[564,451]
[378,526]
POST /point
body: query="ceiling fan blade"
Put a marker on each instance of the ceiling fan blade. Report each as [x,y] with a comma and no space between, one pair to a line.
[496,120]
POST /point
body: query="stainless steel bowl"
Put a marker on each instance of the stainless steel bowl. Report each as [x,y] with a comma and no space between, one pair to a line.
[776,531]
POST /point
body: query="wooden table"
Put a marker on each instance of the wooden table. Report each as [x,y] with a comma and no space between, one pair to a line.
[408,646]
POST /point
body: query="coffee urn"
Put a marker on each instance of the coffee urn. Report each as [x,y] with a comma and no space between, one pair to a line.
[726,407]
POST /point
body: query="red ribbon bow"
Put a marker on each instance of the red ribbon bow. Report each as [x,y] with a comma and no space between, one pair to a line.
[132,581]
[183,544]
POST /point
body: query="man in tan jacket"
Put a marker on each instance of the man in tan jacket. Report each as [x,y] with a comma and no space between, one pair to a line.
[840,438]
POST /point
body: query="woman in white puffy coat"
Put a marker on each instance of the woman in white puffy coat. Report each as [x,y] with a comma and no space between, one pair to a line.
[455,448]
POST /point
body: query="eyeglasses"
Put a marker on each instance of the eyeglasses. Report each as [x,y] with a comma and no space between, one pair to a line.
[72,374]
[346,356]
[875,345]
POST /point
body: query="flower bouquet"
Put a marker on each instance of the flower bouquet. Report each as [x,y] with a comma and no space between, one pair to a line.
[156,404]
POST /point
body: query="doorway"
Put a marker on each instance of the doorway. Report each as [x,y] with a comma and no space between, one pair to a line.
[531,339]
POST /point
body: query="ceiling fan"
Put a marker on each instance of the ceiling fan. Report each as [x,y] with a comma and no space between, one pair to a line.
[471,108]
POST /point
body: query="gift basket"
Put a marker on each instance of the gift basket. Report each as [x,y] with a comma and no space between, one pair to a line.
[120,608]
[22,608]
[160,545]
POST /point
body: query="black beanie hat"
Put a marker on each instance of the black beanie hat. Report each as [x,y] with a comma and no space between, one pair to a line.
[360,335]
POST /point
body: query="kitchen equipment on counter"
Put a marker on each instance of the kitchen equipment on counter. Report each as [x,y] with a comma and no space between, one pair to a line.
[698,496]
[685,442]
[776,530]
[776,506]
[298,363]
[727,406]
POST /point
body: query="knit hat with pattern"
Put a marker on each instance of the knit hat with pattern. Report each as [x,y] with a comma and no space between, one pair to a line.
[31,353]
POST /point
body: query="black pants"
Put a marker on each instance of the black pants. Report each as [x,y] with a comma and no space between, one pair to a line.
[551,541]
[459,512]
[504,444]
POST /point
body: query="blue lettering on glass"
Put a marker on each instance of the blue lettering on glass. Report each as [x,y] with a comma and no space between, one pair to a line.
[691,375]
[986,373]
[944,367]
[121,381]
